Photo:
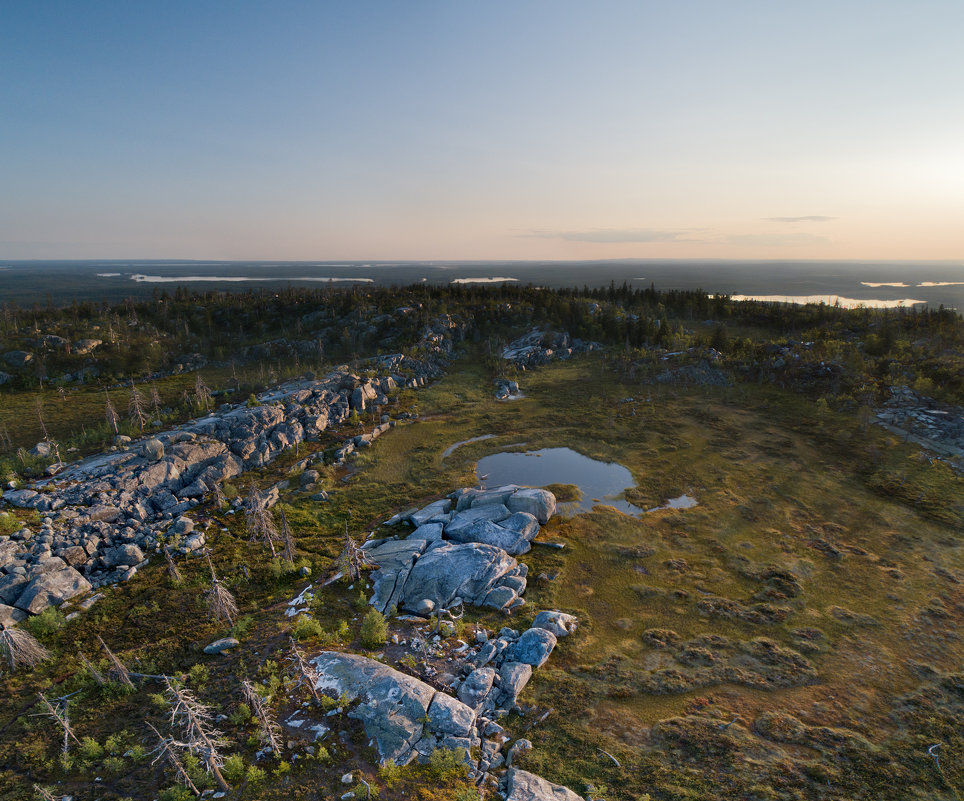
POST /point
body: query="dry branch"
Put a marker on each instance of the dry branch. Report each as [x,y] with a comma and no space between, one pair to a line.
[19,647]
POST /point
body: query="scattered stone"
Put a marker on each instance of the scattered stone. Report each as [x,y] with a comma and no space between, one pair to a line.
[559,623]
[219,646]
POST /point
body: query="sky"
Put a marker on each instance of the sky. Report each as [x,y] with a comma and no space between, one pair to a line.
[496,130]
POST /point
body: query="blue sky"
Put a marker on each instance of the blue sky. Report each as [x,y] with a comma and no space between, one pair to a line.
[440,130]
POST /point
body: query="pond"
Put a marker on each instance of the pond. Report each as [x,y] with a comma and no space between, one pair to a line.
[599,482]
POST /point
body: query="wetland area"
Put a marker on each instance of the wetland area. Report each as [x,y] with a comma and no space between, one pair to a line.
[758,617]
[793,635]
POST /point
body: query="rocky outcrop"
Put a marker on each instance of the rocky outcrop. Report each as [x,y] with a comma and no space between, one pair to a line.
[402,715]
[461,551]
[541,347]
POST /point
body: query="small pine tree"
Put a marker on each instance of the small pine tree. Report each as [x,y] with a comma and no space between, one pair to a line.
[374,630]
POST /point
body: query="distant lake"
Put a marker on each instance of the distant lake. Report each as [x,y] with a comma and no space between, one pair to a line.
[873,283]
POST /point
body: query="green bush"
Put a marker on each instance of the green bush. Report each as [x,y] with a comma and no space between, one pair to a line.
[256,776]
[176,793]
[446,764]
[233,769]
[252,402]
[90,749]
[390,774]
[46,623]
[241,715]
[307,628]
[374,630]
[199,675]
[114,765]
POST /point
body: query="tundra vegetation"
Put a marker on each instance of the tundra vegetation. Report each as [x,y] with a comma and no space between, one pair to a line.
[793,636]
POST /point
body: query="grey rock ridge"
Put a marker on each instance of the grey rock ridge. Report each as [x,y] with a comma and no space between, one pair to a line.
[103,516]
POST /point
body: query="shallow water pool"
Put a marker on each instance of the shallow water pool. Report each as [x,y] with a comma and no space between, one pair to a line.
[599,482]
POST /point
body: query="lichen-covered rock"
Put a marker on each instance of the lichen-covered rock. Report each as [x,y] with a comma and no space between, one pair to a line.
[520,785]
[539,503]
[395,709]
[463,521]
[514,676]
[533,647]
[127,555]
[467,571]
[476,687]
[51,589]
[559,623]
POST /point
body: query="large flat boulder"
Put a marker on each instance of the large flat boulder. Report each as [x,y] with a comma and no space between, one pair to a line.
[520,785]
[468,571]
[51,589]
[397,710]
[489,533]
[461,522]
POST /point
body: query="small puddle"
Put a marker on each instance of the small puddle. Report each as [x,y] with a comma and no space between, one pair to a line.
[598,482]
[451,448]
[682,502]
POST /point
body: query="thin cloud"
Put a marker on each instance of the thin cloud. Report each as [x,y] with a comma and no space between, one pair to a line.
[621,235]
[806,218]
[775,240]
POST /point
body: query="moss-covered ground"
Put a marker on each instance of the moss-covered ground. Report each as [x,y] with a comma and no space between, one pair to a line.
[793,636]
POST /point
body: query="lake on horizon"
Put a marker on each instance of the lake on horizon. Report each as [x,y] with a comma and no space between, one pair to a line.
[873,283]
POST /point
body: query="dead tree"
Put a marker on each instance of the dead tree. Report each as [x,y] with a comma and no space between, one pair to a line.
[172,570]
[289,552]
[269,729]
[352,559]
[40,418]
[155,401]
[59,713]
[19,647]
[136,407]
[118,670]
[111,413]
[200,737]
[218,495]
[166,750]
[220,600]
[306,673]
[439,611]
[202,394]
[46,795]
[259,520]
[94,672]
